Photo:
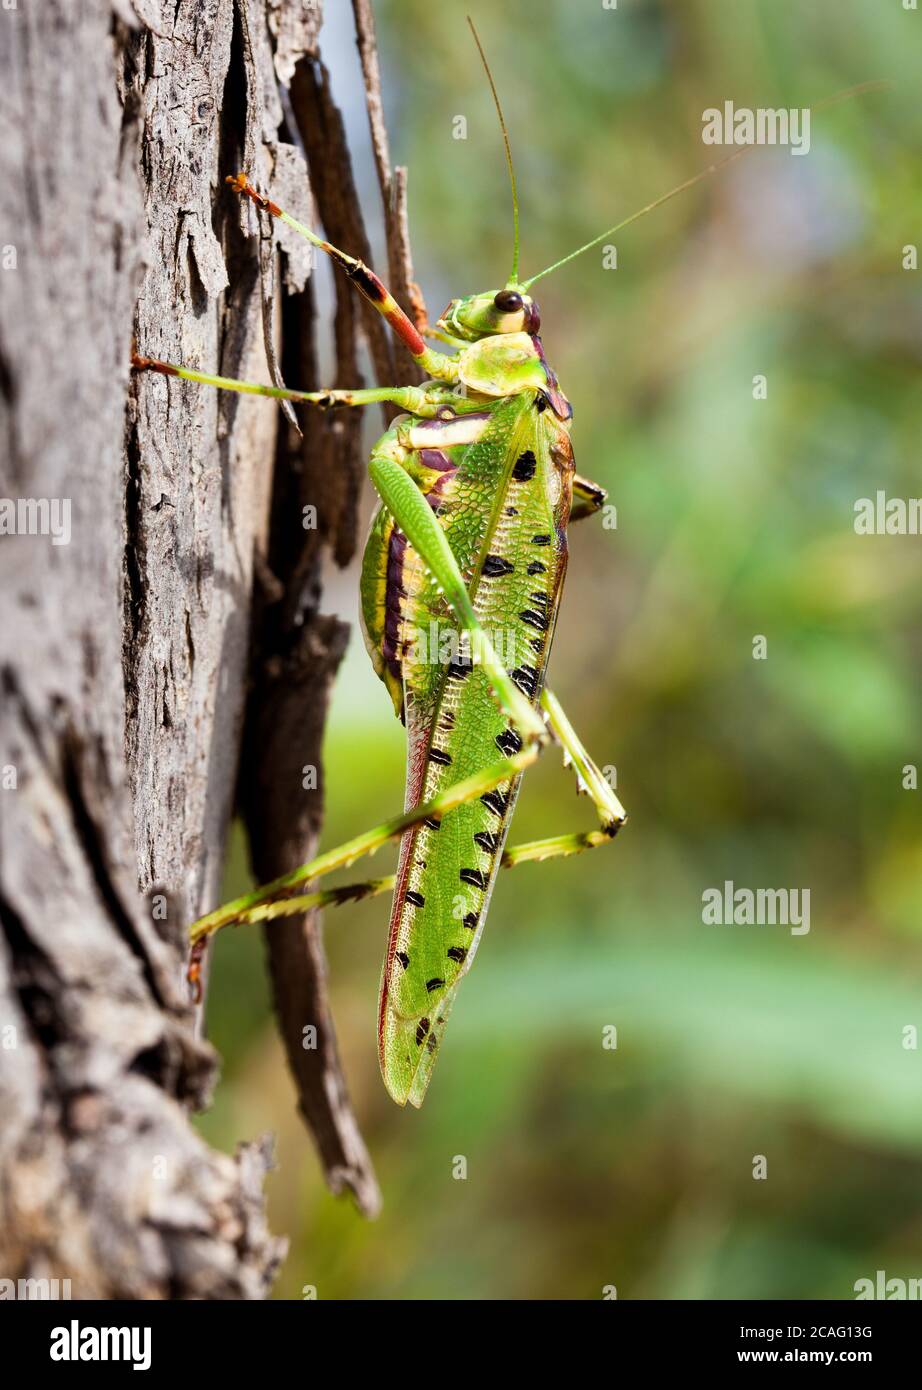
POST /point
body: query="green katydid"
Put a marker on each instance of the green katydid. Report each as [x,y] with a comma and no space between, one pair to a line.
[477,487]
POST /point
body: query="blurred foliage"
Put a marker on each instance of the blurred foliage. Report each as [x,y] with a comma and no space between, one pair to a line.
[735,518]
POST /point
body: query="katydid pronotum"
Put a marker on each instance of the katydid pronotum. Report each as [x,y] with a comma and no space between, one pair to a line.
[477,486]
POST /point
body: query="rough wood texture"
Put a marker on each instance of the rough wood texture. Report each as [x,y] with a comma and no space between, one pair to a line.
[134,660]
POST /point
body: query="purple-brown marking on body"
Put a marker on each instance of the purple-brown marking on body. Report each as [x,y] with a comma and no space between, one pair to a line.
[558,401]
[435,495]
[437,460]
[437,426]
[394,593]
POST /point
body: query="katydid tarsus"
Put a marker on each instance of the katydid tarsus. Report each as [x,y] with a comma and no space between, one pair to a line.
[477,486]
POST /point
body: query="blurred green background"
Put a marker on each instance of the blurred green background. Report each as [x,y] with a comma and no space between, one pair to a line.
[590,1167]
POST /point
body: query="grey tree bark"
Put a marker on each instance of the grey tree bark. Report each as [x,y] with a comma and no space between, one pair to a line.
[171,659]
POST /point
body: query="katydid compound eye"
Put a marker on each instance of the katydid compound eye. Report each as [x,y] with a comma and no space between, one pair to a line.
[508,301]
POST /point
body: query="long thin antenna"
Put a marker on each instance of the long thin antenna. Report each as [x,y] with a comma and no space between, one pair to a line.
[696,178]
[514,275]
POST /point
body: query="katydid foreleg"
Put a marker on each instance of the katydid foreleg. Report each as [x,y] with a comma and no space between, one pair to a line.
[437,364]
[252,906]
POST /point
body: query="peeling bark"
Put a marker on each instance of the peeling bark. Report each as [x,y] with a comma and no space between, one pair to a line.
[173,655]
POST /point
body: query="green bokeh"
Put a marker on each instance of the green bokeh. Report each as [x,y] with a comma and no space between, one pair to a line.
[633,1167]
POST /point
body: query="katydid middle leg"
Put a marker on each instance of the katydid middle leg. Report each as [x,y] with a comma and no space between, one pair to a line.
[425,401]
[407,505]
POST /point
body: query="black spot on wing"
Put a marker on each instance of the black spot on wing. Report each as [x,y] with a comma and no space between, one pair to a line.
[495,565]
[403,958]
[422,1028]
[533,619]
[542,539]
[432,823]
[438,755]
[536,567]
[526,678]
[470,921]
[525,466]
[416,899]
[508,742]
[434,984]
[495,801]
[473,877]
[457,953]
[486,840]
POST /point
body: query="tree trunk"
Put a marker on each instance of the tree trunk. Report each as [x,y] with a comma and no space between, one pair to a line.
[160,611]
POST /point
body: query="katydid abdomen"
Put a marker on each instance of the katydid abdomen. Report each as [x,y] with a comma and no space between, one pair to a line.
[503,500]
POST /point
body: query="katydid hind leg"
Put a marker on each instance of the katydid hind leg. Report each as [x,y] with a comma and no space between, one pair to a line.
[413,514]
[278,896]
[591,782]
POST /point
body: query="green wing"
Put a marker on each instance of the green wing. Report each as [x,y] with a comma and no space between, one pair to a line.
[505,513]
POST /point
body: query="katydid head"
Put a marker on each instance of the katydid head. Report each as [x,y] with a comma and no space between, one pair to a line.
[479,316]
